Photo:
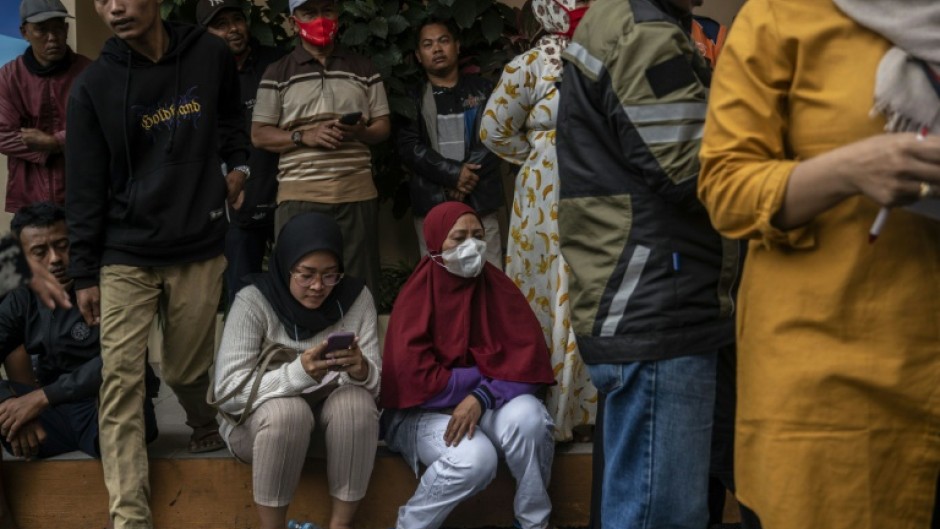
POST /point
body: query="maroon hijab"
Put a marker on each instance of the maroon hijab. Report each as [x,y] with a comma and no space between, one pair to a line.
[441,321]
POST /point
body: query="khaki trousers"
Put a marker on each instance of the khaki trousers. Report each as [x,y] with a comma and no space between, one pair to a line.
[186,297]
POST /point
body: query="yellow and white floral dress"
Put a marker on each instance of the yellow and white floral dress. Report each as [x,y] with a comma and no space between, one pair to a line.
[519,126]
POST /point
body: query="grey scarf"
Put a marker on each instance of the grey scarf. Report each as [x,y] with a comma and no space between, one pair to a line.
[903,91]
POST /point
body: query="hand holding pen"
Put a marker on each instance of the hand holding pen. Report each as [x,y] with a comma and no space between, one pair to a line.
[882,218]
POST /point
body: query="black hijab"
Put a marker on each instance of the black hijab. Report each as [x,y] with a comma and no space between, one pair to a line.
[303,234]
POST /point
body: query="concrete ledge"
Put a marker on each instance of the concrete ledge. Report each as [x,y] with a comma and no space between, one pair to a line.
[213,493]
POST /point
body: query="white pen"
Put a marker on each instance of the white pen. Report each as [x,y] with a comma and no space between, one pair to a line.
[882,217]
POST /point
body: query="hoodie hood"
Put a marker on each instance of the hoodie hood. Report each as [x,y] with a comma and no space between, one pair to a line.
[182,37]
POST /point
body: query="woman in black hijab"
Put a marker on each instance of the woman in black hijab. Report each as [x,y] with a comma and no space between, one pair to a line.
[299,350]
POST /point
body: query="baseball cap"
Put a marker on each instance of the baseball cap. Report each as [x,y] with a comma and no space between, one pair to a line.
[294,4]
[206,10]
[35,11]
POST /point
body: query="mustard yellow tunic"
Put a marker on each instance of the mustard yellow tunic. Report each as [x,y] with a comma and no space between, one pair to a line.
[838,340]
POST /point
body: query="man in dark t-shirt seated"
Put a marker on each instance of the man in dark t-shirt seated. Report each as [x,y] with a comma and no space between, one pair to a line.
[50,406]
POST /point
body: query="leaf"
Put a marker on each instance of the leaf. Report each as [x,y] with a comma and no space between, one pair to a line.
[492,26]
[278,6]
[359,9]
[394,85]
[505,11]
[397,24]
[386,59]
[450,3]
[403,106]
[379,27]
[263,33]
[165,9]
[356,34]
[414,14]
[465,13]
[440,11]
[390,8]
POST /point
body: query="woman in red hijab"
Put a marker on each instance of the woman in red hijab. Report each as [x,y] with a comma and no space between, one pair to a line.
[464,358]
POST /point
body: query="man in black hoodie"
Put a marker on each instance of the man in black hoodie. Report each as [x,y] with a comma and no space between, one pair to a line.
[149,123]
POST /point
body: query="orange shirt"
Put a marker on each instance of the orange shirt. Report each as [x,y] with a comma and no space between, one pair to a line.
[708,47]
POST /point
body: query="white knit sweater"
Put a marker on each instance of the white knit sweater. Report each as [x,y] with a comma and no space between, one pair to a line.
[251,320]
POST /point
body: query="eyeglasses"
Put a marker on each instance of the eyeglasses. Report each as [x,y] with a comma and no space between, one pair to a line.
[305,279]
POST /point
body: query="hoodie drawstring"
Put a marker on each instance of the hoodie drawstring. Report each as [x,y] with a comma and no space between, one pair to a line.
[176,101]
[127,141]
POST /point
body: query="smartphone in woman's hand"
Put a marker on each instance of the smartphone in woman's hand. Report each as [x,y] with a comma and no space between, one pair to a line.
[338,341]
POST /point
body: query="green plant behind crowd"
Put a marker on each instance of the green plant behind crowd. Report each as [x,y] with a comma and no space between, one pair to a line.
[491,33]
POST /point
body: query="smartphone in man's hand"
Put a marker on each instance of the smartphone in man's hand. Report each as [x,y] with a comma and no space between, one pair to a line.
[351,118]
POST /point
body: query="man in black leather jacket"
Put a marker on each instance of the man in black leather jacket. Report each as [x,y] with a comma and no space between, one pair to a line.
[53,408]
[442,146]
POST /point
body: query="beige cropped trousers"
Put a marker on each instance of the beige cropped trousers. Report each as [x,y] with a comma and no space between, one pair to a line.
[275,439]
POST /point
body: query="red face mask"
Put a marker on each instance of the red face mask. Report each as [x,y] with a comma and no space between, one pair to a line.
[318,32]
[574,18]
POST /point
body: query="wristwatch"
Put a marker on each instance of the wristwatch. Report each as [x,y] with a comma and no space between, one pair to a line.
[298,138]
[245,169]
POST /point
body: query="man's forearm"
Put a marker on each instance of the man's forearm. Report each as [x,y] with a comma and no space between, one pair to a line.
[271,138]
[11,145]
[377,131]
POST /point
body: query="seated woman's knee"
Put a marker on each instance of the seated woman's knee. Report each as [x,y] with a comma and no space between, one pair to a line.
[527,418]
[283,416]
[474,460]
[354,407]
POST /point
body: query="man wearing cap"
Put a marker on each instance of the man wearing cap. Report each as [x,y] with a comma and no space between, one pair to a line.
[149,123]
[325,165]
[34,89]
[252,225]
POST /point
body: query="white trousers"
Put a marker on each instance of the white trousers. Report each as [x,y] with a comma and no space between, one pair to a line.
[520,432]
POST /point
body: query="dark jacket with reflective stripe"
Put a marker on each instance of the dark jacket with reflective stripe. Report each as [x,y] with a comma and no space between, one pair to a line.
[650,278]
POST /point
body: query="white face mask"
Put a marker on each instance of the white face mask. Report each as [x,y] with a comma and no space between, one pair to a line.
[465,260]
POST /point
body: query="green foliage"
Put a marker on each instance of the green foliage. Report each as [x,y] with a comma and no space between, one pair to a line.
[390,283]
[268,22]
[490,32]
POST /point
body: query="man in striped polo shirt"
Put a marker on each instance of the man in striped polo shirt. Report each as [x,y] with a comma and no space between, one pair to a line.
[325,164]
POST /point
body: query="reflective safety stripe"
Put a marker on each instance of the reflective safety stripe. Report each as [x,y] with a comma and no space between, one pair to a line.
[631,278]
[670,133]
[580,54]
[666,112]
